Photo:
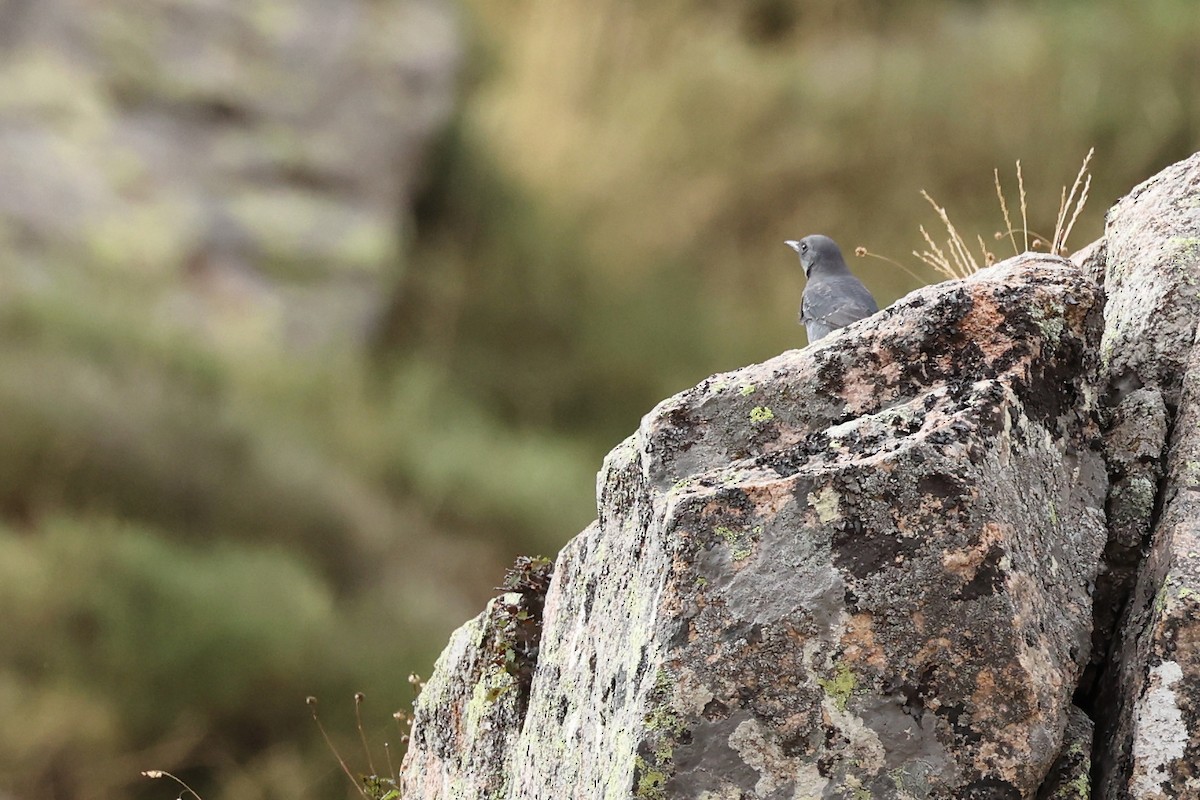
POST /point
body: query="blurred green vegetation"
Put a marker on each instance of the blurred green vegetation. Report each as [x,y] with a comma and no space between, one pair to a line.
[198,531]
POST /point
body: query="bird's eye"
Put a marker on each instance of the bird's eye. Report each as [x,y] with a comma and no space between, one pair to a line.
[803,247]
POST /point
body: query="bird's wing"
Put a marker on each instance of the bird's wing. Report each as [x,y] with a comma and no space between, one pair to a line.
[836,301]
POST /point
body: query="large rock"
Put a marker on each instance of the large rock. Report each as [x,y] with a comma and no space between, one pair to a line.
[1149,697]
[263,152]
[865,569]
[860,569]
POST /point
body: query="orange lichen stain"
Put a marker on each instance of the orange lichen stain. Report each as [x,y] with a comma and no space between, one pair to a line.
[965,563]
[1005,757]
[714,507]
[985,686]
[858,642]
[932,649]
[769,497]
[983,324]
[862,395]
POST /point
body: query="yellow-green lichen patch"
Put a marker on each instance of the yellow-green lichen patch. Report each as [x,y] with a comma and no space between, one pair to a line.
[733,478]
[1186,254]
[740,542]
[911,779]
[651,783]
[825,502]
[1160,599]
[1108,349]
[856,789]
[491,686]
[761,414]
[663,728]
[840,686]
[747,390]
[1081,787]
[1133,501]
[1049,321]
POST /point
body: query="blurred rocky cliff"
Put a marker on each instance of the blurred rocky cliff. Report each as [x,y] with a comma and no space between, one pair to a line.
[262,154]
[203,208]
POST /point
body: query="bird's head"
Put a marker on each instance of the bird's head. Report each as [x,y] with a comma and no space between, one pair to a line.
[818,251]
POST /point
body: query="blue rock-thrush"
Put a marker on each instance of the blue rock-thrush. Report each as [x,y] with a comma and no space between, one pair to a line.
[833,297]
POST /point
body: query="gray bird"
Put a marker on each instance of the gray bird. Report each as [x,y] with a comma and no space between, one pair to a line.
[833,298]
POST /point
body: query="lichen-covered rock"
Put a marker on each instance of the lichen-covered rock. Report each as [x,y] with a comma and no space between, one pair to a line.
[859,569]
[265,150]
[463,740]
[1133,448]
[1152,751]
[1149,701]
[1152,246]
[1071,776]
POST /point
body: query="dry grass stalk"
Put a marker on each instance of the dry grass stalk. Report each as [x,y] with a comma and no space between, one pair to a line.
[957,260]
[989,257]
[1062,228]
[934,257]
[1012,237]
[961,262]
[1024,213]
[863,252]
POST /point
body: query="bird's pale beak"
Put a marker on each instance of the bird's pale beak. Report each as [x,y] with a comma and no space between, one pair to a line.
[794,245]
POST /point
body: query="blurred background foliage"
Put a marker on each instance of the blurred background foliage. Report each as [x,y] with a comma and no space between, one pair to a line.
[313,315]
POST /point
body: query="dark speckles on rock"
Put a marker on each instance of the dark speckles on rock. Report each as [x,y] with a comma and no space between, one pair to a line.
[947,314]
[939,484]
[682,633]
[589,597]
[991,789]
[715,710]
[861,551]
[830,373]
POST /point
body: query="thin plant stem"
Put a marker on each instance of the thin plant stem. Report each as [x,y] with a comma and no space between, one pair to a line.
[362,737]
[312,704]
[863,252]
[1024,213]
[159,773]
[1004,208]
